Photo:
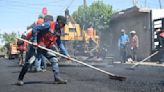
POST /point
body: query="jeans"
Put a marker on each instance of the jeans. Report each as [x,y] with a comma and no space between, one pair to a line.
[123,53]
[40,61]
[32,54]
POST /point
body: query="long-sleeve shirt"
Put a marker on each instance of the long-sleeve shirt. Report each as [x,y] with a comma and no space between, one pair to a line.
[134,42]
[39,30]
[123,40]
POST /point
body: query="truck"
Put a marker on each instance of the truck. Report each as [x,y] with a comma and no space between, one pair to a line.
[12,51]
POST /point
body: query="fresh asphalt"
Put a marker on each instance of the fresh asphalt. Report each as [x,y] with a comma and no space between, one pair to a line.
[144,78]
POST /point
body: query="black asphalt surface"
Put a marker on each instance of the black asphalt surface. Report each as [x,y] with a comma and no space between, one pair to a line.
[83,79]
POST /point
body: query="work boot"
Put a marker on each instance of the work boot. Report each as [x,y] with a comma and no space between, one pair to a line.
[60,81]
[20,83]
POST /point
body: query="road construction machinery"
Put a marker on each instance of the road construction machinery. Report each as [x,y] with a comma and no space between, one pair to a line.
[12,51]
[78,41]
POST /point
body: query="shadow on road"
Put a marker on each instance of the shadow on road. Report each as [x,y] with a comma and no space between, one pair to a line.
[39,82]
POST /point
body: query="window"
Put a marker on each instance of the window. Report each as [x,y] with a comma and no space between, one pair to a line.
[72,29]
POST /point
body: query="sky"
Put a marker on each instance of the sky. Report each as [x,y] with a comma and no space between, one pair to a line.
[16,15]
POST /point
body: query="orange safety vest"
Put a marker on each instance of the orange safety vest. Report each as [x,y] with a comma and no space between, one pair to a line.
[48,39]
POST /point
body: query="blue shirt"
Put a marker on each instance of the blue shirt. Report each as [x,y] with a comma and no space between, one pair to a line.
[45,28]
[122,41]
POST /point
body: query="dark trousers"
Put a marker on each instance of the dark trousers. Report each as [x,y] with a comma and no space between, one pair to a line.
[32,54]
[28,63]
[161,55]
[21,57]
[134,54]
[123,53]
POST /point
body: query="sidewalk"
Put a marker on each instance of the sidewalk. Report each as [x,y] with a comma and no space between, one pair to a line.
[141,63]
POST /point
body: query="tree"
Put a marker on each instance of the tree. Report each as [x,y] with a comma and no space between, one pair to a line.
[98,14]
[8,37]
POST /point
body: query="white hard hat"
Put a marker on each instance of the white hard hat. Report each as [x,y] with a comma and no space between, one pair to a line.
[133,32]
[122,30]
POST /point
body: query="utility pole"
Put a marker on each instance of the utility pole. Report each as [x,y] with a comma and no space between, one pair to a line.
[85,3]
[135,2]
[160,5]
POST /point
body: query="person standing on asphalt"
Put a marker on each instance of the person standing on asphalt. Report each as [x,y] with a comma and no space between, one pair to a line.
[41,59]
[46,35]
[122,44]
[21,47]
[134,44]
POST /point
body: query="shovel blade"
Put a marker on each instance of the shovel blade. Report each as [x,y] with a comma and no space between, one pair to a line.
[119,78]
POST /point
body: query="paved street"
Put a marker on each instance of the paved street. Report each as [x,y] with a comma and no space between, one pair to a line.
[82,79]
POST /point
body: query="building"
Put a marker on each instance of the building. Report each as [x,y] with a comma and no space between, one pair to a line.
[138,19]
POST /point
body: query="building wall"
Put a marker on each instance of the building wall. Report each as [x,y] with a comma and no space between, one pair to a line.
[140,22]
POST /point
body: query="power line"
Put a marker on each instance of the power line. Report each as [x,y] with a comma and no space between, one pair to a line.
[67,6]
[34,4]
[25,5]
[21,7]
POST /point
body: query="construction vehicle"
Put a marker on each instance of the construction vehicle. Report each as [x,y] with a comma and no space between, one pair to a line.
[12,51]
[78,41]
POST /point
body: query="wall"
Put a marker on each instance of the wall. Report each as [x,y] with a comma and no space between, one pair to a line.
[140,22]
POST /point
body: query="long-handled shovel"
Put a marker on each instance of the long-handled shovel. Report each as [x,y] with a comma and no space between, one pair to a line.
[111,75]
[132,67]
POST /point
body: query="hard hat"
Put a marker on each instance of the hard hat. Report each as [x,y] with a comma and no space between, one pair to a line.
[122,30]
[40,16]
[133,32]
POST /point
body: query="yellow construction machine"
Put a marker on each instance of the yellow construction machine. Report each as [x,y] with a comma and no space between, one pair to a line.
[78,41]
[12,51]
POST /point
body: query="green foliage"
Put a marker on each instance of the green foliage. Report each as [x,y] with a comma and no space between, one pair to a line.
[2,49]
[98,14]
[8,37]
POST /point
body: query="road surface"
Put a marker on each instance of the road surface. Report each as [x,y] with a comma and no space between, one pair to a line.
[82,79]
